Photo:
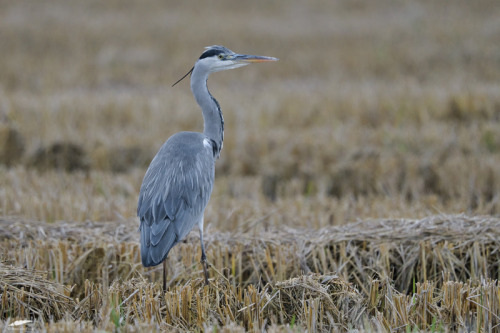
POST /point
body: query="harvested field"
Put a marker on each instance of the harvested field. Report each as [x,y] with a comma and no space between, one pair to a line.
[359,276]
[358,188]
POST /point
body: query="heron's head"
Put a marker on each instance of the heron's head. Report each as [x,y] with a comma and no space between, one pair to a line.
[218,58]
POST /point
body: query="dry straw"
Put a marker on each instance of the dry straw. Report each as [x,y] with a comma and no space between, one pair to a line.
[29,294]
[310,302]
[440,271]
[455,247]
[317,301]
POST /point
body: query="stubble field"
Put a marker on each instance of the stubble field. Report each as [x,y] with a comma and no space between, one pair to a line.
[358,187]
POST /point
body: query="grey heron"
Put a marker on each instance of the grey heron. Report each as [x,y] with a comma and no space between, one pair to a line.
[180,178]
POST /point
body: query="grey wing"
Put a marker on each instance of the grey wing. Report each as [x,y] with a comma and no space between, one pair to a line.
[174,194]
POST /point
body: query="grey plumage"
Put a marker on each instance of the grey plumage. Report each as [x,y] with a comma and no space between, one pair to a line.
[179,180]
[174,194]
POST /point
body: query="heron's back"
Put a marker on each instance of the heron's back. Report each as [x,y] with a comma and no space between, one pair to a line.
[174,193]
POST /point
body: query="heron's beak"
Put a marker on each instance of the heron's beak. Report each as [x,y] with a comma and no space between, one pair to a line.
[244,58]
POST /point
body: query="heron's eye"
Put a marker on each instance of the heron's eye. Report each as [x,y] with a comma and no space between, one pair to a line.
[221,56]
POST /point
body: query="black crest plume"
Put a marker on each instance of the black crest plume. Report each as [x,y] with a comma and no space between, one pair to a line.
[182,78]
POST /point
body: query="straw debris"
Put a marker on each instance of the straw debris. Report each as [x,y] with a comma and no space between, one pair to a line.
[321,302]
[376,275]
[27,293]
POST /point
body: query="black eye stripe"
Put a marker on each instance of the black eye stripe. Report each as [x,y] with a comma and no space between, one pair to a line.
[210,53]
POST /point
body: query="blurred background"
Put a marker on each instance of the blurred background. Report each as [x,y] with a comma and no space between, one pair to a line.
[375,109]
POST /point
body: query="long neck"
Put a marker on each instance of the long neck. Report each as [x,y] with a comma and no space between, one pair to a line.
[212,114]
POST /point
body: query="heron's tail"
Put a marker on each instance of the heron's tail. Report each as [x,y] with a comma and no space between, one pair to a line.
[157,239]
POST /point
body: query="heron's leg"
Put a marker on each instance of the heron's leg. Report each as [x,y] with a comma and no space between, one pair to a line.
[204,258]
[203,255]
[164,276]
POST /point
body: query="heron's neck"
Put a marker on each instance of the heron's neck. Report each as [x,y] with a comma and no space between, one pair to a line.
[212,114]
